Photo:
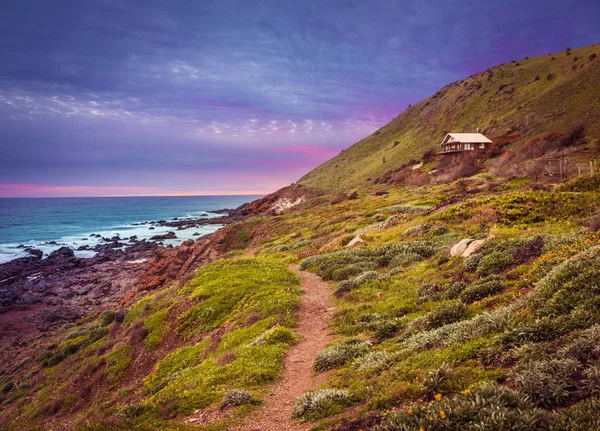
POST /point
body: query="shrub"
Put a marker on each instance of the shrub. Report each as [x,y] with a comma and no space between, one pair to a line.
[301,244]
[134,410]
[585,346]
[455,289]
[581,417]
[340,197]
[488,406]
[372,361]
[545,383]
[471,263]
[436,380]
[574,137]
[569,285]
[339,273]
[107,317]
[276,335]
[428,291]
[381,326]
[459,332]
[591,380]
[592,56]
[481,289]
[280,248]
[405,209]
[238,397]
[593,223]
[320,403]
[353,283]
[403,260]
[448,313]
[495,262]
[339,354]
[550,77]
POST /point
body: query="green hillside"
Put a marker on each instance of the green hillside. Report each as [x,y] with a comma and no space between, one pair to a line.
[406,330]
[526,97]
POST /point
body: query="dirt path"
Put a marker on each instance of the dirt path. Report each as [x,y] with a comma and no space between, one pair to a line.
[314,316]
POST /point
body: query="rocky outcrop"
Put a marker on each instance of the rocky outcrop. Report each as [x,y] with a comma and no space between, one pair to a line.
[175,264]
[357,241]
[458,248]
[468,246]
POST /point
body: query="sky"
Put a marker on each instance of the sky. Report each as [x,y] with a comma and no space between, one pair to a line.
[152,97]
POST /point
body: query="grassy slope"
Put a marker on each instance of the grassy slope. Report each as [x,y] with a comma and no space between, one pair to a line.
[527,105]
[183,349]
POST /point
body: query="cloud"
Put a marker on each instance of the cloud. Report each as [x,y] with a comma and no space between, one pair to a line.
[105,91]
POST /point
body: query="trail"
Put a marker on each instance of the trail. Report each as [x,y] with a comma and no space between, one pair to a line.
[314,316]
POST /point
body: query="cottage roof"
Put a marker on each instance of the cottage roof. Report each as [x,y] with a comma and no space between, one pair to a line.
[476,138]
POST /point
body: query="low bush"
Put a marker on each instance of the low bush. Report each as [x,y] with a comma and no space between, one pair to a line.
[134,410]
[495,263]
[340,354]
[339,272]
[373,361]
[238,397]
[381,326]
[591,380]
[320,403]
[481,289]
[459,332]
[454,290]
[355,282]
[405,209]
[276,335]
[281,248]
[489,406]
[436,380]
[403,260]
[301,244]
[545,383]
[428,291]
[447,313]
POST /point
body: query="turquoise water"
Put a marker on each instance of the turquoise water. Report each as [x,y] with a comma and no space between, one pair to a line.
[34,222]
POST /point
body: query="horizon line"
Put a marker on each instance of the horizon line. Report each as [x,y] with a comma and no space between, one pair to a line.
[141,196]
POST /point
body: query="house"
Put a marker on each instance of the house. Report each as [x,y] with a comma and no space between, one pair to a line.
[460,142]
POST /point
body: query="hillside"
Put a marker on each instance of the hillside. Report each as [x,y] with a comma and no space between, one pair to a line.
[526,97]
[461,295]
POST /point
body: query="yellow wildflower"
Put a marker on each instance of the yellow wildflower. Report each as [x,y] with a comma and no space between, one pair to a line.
[466,392]
[438,397]
[410,412]
[443,414]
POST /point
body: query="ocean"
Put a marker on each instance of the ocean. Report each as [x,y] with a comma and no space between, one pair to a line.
[50,223]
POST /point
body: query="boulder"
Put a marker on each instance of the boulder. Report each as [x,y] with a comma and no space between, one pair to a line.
[475,246]
[356,242]
[458,248]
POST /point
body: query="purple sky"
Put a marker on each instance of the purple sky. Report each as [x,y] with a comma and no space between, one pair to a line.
[208,97]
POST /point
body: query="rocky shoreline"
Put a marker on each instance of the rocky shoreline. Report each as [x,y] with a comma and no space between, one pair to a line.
[39,295]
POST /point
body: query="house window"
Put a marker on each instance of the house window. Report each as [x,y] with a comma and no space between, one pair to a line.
[482,146]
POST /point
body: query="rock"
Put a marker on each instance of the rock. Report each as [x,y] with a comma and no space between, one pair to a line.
[458,248]
[475,246]
[35,252]
[196,234]
[417,166]
[168,235]
[356,242]
[151,228]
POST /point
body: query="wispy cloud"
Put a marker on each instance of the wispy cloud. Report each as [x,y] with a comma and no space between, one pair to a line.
[95,92]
